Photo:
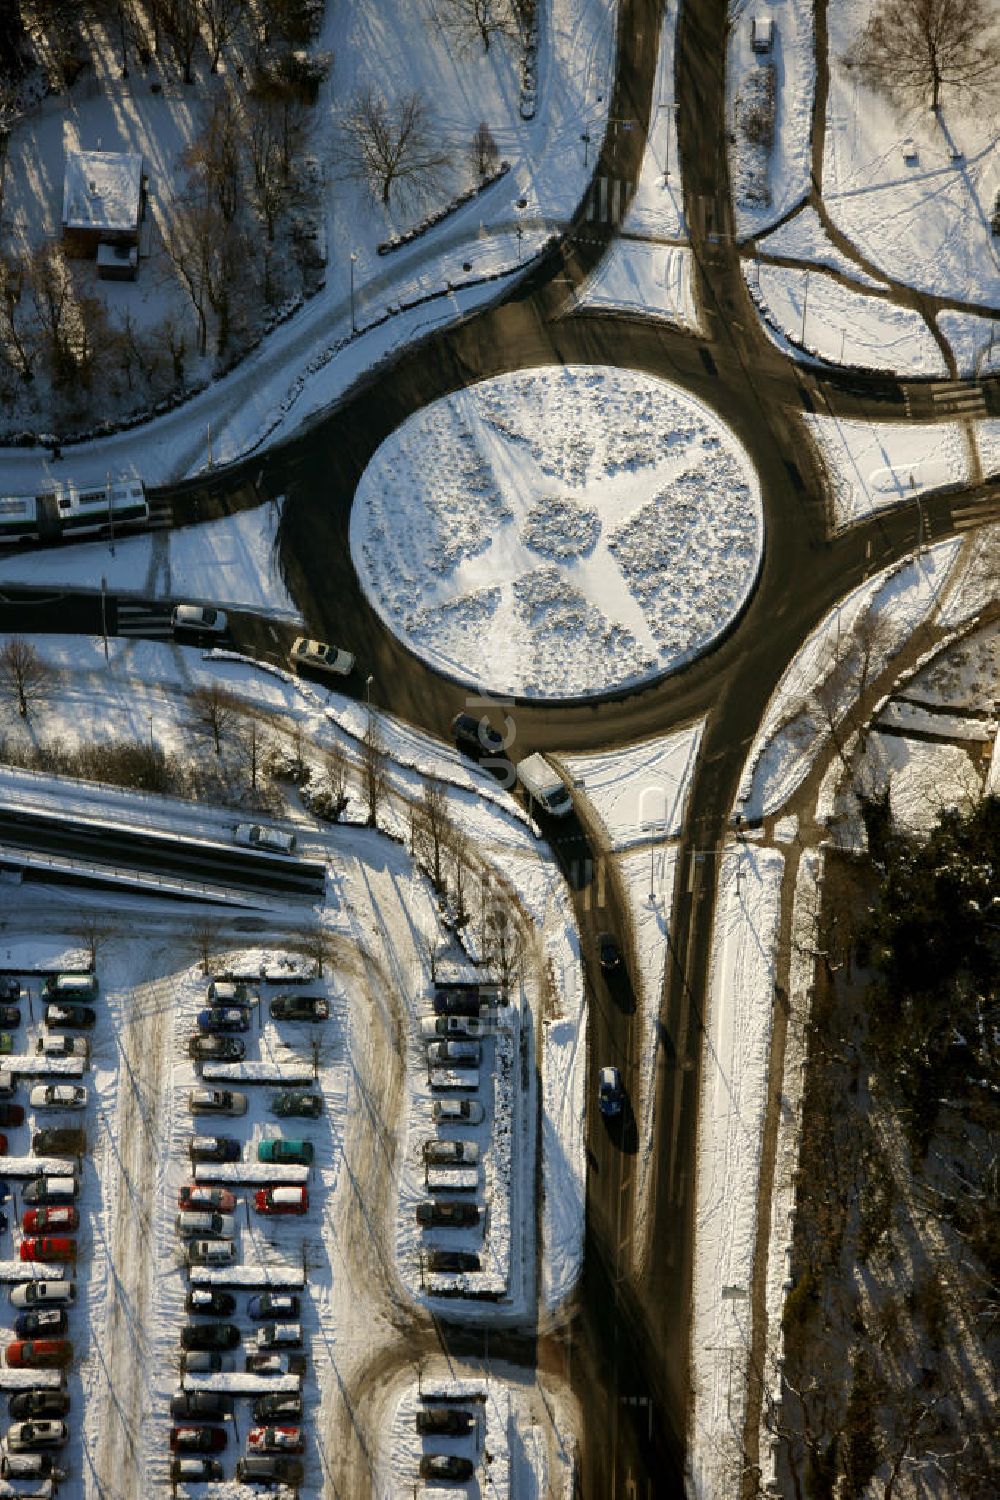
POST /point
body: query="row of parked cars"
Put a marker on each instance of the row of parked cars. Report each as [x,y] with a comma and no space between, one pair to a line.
[206,1222]
[50,1220]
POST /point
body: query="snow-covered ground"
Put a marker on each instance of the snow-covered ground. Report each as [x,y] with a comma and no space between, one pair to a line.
[843,326]
[875,465]
[974,341]
[803,237]
[309,361]
[639,792]
[644,277]
[559,533]
[767,183]
[730,1122]
[888,607]
[231,562]
[924,221]
[657,208]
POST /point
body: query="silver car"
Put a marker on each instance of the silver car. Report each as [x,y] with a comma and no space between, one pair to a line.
[58,1096]
[320,657]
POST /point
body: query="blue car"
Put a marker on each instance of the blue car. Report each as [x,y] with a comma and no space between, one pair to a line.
[224,1018]
[610,1094]
[4,1191]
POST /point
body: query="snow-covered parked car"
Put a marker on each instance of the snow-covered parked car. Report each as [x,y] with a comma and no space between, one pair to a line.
[211,1253]
[457,1112]
[50,1045]
[217,1102]
[320,657]
[450,1153]
[201,619]
[280,1336]
[58,1096]
[434,1027]
[204,1224]
[44,1293]
[281,1200]
[263,836]
[455,1053]
[275,1440]
[23,1437]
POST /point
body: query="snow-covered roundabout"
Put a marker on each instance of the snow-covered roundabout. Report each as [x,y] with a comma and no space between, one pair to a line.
[559,533]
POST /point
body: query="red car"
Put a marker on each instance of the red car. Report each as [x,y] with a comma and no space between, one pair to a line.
[197,1439]
[3,1144]
[39,1354]
[281,1200]
[275,1440]
[47,1248]
[36,1220]
[197,1195]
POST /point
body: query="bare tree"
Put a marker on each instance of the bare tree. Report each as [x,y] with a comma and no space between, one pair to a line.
[266,150]
[484,153]
[214,155]
[180,21]
[9,114]
[253,746]
[337,769]
[56,310]
[916,48]
[190,231]
[504,945]
[318,948]
[460,854]
[16,334]
[374,774]
[216,712]
[93,932]
[222,17]
[391,147]
[471,22]
[205,937]
[431,826]
[24,675]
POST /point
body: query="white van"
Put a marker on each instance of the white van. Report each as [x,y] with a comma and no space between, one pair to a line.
[52,1044]
[761,33]
[68,988]
[544,786]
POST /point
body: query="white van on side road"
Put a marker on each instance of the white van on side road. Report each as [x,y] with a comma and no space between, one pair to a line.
[761,33]
[544,786]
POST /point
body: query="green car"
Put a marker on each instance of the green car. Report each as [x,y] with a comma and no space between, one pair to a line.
[6,1042]
[297,1102]
[286,1153]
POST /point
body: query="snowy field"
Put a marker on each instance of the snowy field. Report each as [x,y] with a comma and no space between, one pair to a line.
[766,184]
[803,237]
[639,792]
[843,326]
[231,562]
[888,608]
[875,465]
[733,1099]
[640,276]
[560,533]
[924,221]
[974,341]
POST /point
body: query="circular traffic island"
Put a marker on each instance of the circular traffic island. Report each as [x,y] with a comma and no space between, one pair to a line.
[559,533]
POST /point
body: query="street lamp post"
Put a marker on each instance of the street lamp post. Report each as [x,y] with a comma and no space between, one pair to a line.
[368,692]
[585,138]
[354,326]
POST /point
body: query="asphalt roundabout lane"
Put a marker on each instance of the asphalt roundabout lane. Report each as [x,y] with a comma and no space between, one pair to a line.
[565,532]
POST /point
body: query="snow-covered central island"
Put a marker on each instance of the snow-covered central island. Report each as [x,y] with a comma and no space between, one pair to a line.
[558,533]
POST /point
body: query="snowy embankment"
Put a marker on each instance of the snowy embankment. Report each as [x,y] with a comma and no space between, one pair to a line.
[875,465]
[804,238]
[639,792]
[559,533]
[856,639]
[231,563]
[656,211]
[818,314]
[645,278]
[733,1100]
[769,182]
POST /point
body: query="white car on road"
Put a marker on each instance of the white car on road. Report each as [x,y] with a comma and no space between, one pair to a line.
[58,1096]
[199,617]
[260,836]
[321,657]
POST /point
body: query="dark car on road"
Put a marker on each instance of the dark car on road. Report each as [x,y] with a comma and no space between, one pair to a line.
[10,1015]
[10,988]
[200,1406]
[445,1466]
[11,1115]
[224,1018]
[476,735]
[297,1102]
[210,1336]
[70,1017]
[198,1439]
[610,1093]
[215,1148]
[279,1407]
[29,1406]
[195,1470]
[216,1049]
[59,1140]
[447,1421]
[443,1213]
[43,1323]
[261,1469]
[208,1302]
[609,953]
[299,1008]
[452,1261]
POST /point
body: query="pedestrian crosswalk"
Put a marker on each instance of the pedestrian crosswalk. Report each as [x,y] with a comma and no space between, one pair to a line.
[982,512]
[161,515]
[960,398]
[608,200]
[142,617]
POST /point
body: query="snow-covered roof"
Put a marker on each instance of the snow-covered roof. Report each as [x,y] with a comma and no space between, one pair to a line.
[101,190]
